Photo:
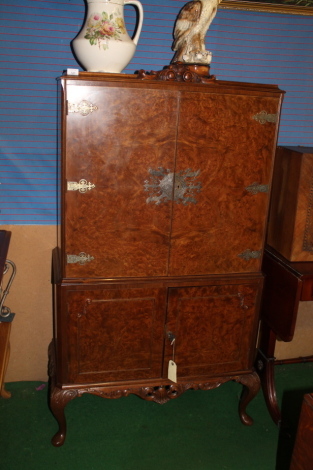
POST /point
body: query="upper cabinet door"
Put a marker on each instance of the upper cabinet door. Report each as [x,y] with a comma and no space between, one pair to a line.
[225,147]
[119,145]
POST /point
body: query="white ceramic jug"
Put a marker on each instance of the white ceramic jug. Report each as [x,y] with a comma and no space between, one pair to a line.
[103,44]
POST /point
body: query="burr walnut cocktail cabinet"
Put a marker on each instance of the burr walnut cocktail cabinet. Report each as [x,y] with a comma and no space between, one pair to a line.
[164,190]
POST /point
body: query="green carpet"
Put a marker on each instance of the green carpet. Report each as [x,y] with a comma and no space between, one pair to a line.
[199,430]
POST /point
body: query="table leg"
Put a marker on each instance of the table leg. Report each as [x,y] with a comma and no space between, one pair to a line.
[265,366]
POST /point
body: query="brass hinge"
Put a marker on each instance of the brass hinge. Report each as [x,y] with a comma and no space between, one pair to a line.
[256,188]
[82,186]
[262,117]
[84,108]
[82,258]
[250,254]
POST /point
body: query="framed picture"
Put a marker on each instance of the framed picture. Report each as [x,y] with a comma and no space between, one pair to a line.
[294,7]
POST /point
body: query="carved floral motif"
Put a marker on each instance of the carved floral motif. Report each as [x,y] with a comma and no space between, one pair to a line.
[160,394]
[179,72]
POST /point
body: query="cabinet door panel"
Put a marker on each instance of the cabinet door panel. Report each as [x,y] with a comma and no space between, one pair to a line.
[115,148]
[214,327]
[115,334]
[220,137]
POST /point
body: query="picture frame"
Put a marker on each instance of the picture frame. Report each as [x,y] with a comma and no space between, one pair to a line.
[294,7]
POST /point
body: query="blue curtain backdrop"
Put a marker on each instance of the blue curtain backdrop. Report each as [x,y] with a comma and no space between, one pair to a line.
[35,49]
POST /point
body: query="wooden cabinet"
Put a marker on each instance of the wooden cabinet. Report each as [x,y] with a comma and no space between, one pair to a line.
[290,228]
[164,190]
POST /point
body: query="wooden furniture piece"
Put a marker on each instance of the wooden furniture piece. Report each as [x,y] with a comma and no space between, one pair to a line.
[302,456]
[288,259]
[290,227]
[6,321]
[164,196]
[286,284]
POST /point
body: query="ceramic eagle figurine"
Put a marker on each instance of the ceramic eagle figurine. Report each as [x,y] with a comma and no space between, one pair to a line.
[190,29]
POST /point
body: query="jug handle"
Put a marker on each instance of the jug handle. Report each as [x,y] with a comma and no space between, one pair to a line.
[140,20]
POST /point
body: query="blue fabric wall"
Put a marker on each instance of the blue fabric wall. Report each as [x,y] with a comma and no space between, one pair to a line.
[35,37]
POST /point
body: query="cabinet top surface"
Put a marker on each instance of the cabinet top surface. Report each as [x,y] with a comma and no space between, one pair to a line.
[120,79]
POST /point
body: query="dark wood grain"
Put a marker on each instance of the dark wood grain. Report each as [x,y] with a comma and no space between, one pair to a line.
[131,132]
[227,219]
[265,365]
[164,256]
[5,237]
[302,456]
[213,327]
[281,296]
[286,284]
[115,334]
[5,327]
[290,228]
[135,130]
[152,390]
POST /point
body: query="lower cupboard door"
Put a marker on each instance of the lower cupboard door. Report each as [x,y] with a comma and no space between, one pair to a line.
[214,329]
[115,334]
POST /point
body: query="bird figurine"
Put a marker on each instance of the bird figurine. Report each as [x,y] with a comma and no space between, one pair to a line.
[190,29]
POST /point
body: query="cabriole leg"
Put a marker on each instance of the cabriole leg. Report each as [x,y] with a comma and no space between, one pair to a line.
[251,385]
[58,401]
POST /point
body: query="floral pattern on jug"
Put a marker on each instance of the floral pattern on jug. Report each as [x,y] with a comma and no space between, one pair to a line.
[103,44]
[101,27]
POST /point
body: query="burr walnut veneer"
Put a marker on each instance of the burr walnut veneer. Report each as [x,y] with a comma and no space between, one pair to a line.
[164,194]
